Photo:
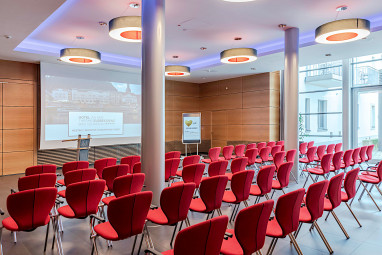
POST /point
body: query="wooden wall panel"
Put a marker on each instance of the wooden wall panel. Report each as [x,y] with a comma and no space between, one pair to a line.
[18,117]
[18,140]
[18,94]
[18,70]
[17,162]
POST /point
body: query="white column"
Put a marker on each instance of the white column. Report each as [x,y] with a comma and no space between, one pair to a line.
[153,91]
[291,92]
[346,107]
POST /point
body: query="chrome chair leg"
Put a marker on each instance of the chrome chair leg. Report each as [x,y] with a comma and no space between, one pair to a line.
[339,223]
[323,237]
[295,244]
[353,214]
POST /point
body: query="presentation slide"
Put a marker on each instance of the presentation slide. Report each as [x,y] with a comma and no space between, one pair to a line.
[191,128]
[81,101]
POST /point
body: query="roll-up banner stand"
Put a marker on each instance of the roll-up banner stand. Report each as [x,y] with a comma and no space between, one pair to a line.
[192,129]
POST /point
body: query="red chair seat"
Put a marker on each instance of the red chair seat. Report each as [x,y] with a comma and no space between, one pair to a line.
[62,182]
[274,229]
[258,161]
[234,156]
[197,205]
[255,191]
[303,160]
[62,193]
[221,158]
[368,179]
[276,184]
[157,216]
[179,173]
[10,224]
[107,200]
[332,168]
[344,196]
[316,158]
[66,211]
[305,215]
[270,158]
[327,205]
[373,174]
[317,171]
[106,231]
[343,165]
[229,175]
[231,246]
[207,161]
[229,197]
[169,252]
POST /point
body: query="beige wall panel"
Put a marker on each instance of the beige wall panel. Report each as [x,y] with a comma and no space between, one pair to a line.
[169,103]
[18,70]
[178,134]
[256,99]
[257,116]
[18,140]
[18,117]
[206,117]
[274,115]
[256,133]
[169,133]
[17,162]
[218,143]
[274,99]
[274,132]
[186,89]
[219,132]
[16,94]
[169,118]
[186,104]
[234,117]
[256,82]
[274,82]
[230,86]
[226,102]
[209,89]
[177,115]
[169,88]
[206,132]
[234,133]
[219,118]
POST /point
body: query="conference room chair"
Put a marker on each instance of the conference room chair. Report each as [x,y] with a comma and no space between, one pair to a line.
[239,151]
[36,181]
[271,144]
[281,143]
[261,145]
[41,169]
[355,160]
[111,172]
[130,161]
[320,153]
[189,160]
[263,184]
[239,192]
[29,210]
[286,219]
[174,205]
[251,155]
[227,152]
[248,235]
[251,146]
[330,148]
[172,154]
[310,144]
[274,150]
[237,165]
[70,166]
[335,166]
[282,178]
[100,164]
[192,174]
[278,159]
[333,199]
[346,160]
[350,191]
[200,239]
[213,154]
[211,196]
[126,218]
[290,155]
[77,176]
[338,147]
[369,153]
[322,170]
[362,156]
[313,208]
[125,185]
[217,168]
[303,149]
[308,160]
[171,165]
[137,168]
[264,156]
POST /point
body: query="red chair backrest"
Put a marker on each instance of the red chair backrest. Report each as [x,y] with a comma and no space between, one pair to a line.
[127,214]
[338,147]
[227,152]
[74,165]
[379,171]
[302,148]
[213,154]
[278,159]
[193,173]
[239,150]
[251,146]
[172,154]
[251,154]
[37,181]
[321,151]
[347,158]
[271,144]
[100,164]
[283,173]
[217,168]
[111,172]
[275,149]
[287,211]
[212,191]
[239,164]
[362,154]
[175,201]
[369,152]
[202,238]
[171,165]
[251,225]
[261,145]
[350,182]
[334,190]
[290,155]
[315,199]
[84,197]
[190,160]
[325,162]
[264,153]
[310,153]
[337,158]
[241,184]
[330,148]
[30,208]
[355,155]
[128,184]
[79,175]
[40,169]
[264,179]
[310,144]
[281,143]
[130,160]
[137,168]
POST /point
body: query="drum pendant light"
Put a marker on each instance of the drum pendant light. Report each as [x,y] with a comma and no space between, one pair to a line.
[177,71]
[80,56]
[238,56]
[126,28]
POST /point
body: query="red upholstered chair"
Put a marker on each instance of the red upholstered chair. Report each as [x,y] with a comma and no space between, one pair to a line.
[289,157]
[373,179]
[227,152]
[261,145]
[355,157]
[271,144]
[286,219]
[78,176]
[37,181]
[217,168]
[137,168]
[190,160]
[320,152]
[322,170]
[282,180]
[264,156]
[130,160]
[111,172]
[281,143]
[172,154]
[239,151]
[263,184]
[126,218]
[171,165]
[192,173]
[251,154]
[303,149]
[309,158]
[250,146]
[70,166]
[278,159]
[274,150]
[41,169]
[248,236]
[336,162]
[237,165]
[211,195]
[313,209]
[338,147]
[350,191]
[330,148]
[30,209]
[174,205]
[125,185]
[310,144]
[369,153]
[213,154]
[362,155]
[100,164]
[240,187]
[204,238]
[346,160]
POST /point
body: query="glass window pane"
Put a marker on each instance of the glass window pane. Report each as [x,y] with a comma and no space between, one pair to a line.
[367,70]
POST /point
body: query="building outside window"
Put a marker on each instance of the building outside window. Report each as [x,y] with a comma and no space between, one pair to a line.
[322,115]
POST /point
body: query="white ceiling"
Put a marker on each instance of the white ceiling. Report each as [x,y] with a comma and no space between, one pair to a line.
[190,24]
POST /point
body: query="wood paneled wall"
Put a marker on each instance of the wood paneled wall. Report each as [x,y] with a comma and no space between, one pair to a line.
[18,116]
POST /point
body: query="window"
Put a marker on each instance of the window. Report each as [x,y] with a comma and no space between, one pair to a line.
[307,112]
[322,115]
[372,117]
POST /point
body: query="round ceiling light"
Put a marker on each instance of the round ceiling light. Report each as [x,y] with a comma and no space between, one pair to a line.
[126,28]
[80,56]
[342,31]
[177,71]
[238,56]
